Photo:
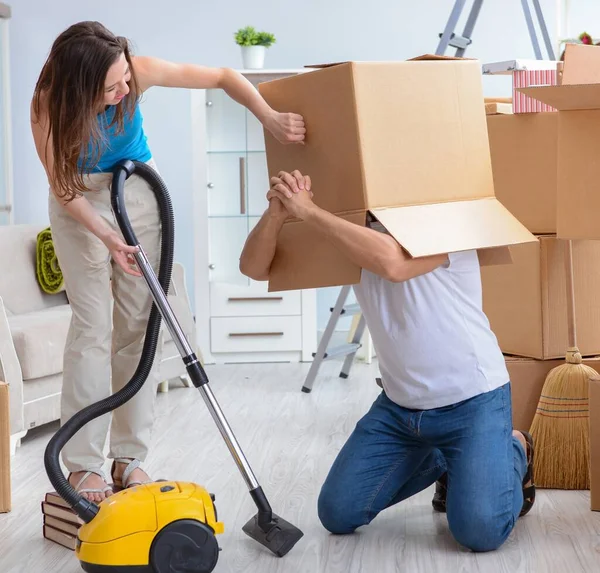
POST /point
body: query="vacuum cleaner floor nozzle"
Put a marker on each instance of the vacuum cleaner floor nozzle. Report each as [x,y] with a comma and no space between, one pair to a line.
[278,535]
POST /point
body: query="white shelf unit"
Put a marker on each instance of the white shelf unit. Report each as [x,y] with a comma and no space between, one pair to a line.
[6,174]
[237,319]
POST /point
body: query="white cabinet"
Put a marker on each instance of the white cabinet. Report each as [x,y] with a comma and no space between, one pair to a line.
[237,319]
[6,194]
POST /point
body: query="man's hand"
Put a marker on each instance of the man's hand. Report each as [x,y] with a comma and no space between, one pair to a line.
[276,209]
[293,190]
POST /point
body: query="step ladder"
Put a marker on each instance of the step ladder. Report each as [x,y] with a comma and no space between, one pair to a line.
[449,38]
[348,350]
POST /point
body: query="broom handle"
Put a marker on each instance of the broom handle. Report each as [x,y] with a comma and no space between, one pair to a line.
[570,294]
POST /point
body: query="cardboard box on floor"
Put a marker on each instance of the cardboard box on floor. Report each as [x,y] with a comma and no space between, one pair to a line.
[526,305]
[527,377]
[578,169]
[524,150]
[594,406]
[405,143]
[5,491]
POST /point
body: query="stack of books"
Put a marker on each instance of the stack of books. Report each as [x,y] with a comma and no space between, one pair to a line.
[61,523]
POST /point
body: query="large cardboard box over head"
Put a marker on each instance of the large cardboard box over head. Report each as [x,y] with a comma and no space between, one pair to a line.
[578,169]
[524,149]
[526,302]
[404,143]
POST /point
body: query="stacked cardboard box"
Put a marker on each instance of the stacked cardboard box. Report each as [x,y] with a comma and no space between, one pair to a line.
[61,523]
[545,168]
[577,100]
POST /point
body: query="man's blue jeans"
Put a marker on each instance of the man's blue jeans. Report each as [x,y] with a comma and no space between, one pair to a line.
[394,453]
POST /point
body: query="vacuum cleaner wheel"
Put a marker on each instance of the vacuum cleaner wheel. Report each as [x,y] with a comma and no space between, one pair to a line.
[184,546]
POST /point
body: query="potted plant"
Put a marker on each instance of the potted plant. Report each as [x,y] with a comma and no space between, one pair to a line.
[254,45]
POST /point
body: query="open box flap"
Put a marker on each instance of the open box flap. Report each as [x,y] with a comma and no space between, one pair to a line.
[424,57]
[566,97]
[425,230]
[581,65]
[331,65]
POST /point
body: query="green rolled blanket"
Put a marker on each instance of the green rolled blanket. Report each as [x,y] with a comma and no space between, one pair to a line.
[48,270]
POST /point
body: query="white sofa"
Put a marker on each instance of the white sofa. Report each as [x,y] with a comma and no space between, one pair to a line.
[33,330]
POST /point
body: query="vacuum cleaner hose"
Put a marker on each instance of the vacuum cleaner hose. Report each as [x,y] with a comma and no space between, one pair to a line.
[84,508]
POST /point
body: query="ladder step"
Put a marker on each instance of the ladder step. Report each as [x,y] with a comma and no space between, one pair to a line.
[457,41]
[350,309]
[342,350]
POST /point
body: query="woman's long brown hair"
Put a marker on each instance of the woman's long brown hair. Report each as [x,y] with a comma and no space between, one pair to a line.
[70,92]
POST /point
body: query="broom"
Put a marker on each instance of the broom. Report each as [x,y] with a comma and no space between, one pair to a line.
[560,426]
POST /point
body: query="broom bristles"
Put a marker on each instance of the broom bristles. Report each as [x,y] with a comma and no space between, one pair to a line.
[560,426]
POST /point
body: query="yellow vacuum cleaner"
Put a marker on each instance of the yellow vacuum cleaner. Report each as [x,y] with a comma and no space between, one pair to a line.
[165,526]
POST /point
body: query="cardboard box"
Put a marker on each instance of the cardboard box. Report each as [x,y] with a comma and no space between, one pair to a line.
[5,491]
[524,149]
[527,377]
[402,142]
[594,406]
[525,302]
[497,108]
[526,73]
[578,102]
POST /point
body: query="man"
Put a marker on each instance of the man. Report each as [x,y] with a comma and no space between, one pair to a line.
[445,411]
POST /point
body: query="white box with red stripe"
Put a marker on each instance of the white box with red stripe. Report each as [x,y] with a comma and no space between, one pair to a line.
[526,73]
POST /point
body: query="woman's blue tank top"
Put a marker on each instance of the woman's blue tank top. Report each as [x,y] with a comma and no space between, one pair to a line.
[131,143]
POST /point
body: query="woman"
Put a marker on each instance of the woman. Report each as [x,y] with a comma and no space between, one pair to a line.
[85,117]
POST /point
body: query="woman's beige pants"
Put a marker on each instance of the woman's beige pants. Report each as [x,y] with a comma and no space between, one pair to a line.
[110,311]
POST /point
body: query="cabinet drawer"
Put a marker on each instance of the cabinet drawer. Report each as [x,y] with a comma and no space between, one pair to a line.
[252,300]
[256,334]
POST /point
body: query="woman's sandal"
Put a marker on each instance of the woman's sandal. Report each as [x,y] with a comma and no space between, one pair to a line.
[86,475]
[123,483]
[528,490]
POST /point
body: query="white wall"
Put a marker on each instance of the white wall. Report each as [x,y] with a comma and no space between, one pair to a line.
[201,32]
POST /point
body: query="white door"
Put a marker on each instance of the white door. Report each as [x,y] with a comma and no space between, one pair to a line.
[227,186]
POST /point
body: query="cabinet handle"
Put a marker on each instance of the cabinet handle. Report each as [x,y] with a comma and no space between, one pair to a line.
[242,185]
[255,298]
[211,266]
[210,185]
[209,104]
[5,208]
[249,334]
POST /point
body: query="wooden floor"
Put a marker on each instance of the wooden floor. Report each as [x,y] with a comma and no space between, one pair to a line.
[290,439]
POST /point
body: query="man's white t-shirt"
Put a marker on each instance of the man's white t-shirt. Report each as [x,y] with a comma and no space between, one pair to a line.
[433,341]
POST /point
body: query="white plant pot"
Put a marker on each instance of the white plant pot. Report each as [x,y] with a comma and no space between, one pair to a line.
[253,57]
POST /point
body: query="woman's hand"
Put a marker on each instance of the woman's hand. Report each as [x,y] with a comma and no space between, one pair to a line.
[122,254]
[286,127]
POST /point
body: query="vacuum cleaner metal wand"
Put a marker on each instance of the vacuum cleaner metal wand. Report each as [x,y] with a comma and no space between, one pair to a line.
[159,298]
[270,530]
[190,359]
